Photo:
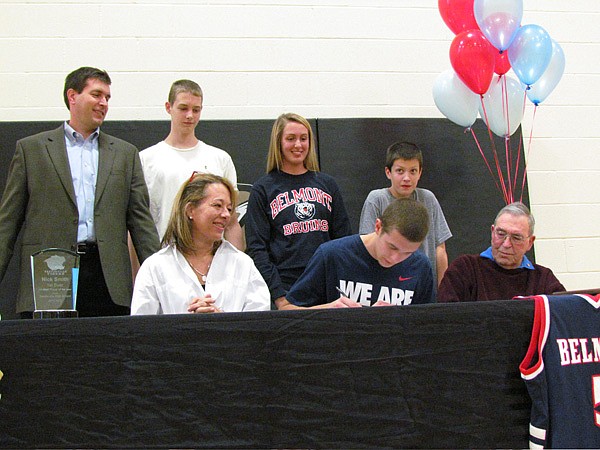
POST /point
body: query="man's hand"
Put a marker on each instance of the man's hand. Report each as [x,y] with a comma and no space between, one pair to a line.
[381,303]
[344,302]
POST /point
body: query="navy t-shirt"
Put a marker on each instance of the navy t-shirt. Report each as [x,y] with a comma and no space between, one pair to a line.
[346,263]
[288,217]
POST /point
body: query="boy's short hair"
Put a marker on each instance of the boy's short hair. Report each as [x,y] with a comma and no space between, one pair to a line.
[180,86]
[407,216]
[403,150]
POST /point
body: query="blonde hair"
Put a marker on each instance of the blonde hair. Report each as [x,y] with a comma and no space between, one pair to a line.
[192,192]
[275,159]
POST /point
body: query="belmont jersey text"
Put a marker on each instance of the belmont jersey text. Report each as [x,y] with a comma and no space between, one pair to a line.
[302,195]
[578,350]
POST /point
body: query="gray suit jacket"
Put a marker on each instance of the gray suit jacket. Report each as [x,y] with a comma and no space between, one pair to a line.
[39,198]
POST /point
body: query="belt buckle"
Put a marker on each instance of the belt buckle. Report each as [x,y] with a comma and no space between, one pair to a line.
[81,248]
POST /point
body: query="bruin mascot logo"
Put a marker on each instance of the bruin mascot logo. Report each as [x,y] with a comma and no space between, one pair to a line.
[304,210]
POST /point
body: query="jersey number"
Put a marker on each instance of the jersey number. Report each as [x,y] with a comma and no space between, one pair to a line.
[596,398]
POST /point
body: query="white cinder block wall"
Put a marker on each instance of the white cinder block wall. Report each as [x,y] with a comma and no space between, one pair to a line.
[320,58]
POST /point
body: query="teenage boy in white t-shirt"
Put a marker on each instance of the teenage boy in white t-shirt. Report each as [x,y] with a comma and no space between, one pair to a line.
[172,161]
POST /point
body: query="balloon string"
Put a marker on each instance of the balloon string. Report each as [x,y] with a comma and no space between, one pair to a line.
[528,150]
[517,166]
[507,152]
[507,155]
[519,152]
[495,154]
[484,158]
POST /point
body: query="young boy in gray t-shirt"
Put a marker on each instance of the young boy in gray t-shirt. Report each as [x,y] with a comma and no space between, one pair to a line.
[403,167]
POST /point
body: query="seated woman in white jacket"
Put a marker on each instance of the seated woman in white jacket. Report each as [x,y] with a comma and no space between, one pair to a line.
[198,271]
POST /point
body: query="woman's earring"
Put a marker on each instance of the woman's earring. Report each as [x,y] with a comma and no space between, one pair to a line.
[190,217]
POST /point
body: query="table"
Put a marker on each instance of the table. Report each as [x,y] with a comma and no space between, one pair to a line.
[422,376]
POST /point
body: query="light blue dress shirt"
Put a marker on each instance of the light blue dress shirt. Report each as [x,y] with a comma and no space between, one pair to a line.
[83,160]
[525,264]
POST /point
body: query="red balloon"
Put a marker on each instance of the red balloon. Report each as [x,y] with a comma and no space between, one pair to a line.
[472,58]
[502,63]
[458,15]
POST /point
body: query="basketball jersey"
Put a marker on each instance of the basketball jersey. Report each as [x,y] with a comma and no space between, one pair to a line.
[562,372]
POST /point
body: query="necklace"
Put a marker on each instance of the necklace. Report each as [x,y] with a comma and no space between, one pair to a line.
[202,275]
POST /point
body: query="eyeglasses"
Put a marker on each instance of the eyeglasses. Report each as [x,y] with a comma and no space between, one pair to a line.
[194,173]
[516,239]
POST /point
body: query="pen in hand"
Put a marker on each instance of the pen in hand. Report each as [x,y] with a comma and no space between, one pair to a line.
[344,301]
[341,292]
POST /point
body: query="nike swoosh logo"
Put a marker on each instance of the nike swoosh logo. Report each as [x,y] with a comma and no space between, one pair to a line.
[404,279]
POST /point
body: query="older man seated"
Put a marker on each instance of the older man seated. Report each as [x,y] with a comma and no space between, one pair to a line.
[502,271]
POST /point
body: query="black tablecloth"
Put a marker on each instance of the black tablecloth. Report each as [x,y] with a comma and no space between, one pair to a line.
[431,376]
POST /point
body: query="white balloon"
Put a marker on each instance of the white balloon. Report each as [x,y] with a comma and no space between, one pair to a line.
[454,99]
[504,107]
[498,20]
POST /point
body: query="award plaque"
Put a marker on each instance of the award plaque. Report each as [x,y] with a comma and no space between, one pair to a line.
[54,274]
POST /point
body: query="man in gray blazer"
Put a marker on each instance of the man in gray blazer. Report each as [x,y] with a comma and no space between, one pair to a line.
[78,188]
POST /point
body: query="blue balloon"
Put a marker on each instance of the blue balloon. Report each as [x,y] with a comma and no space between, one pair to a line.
[530,53]
[542,88]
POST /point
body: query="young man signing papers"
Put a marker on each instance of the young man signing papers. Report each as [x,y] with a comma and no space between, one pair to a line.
[381,268]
